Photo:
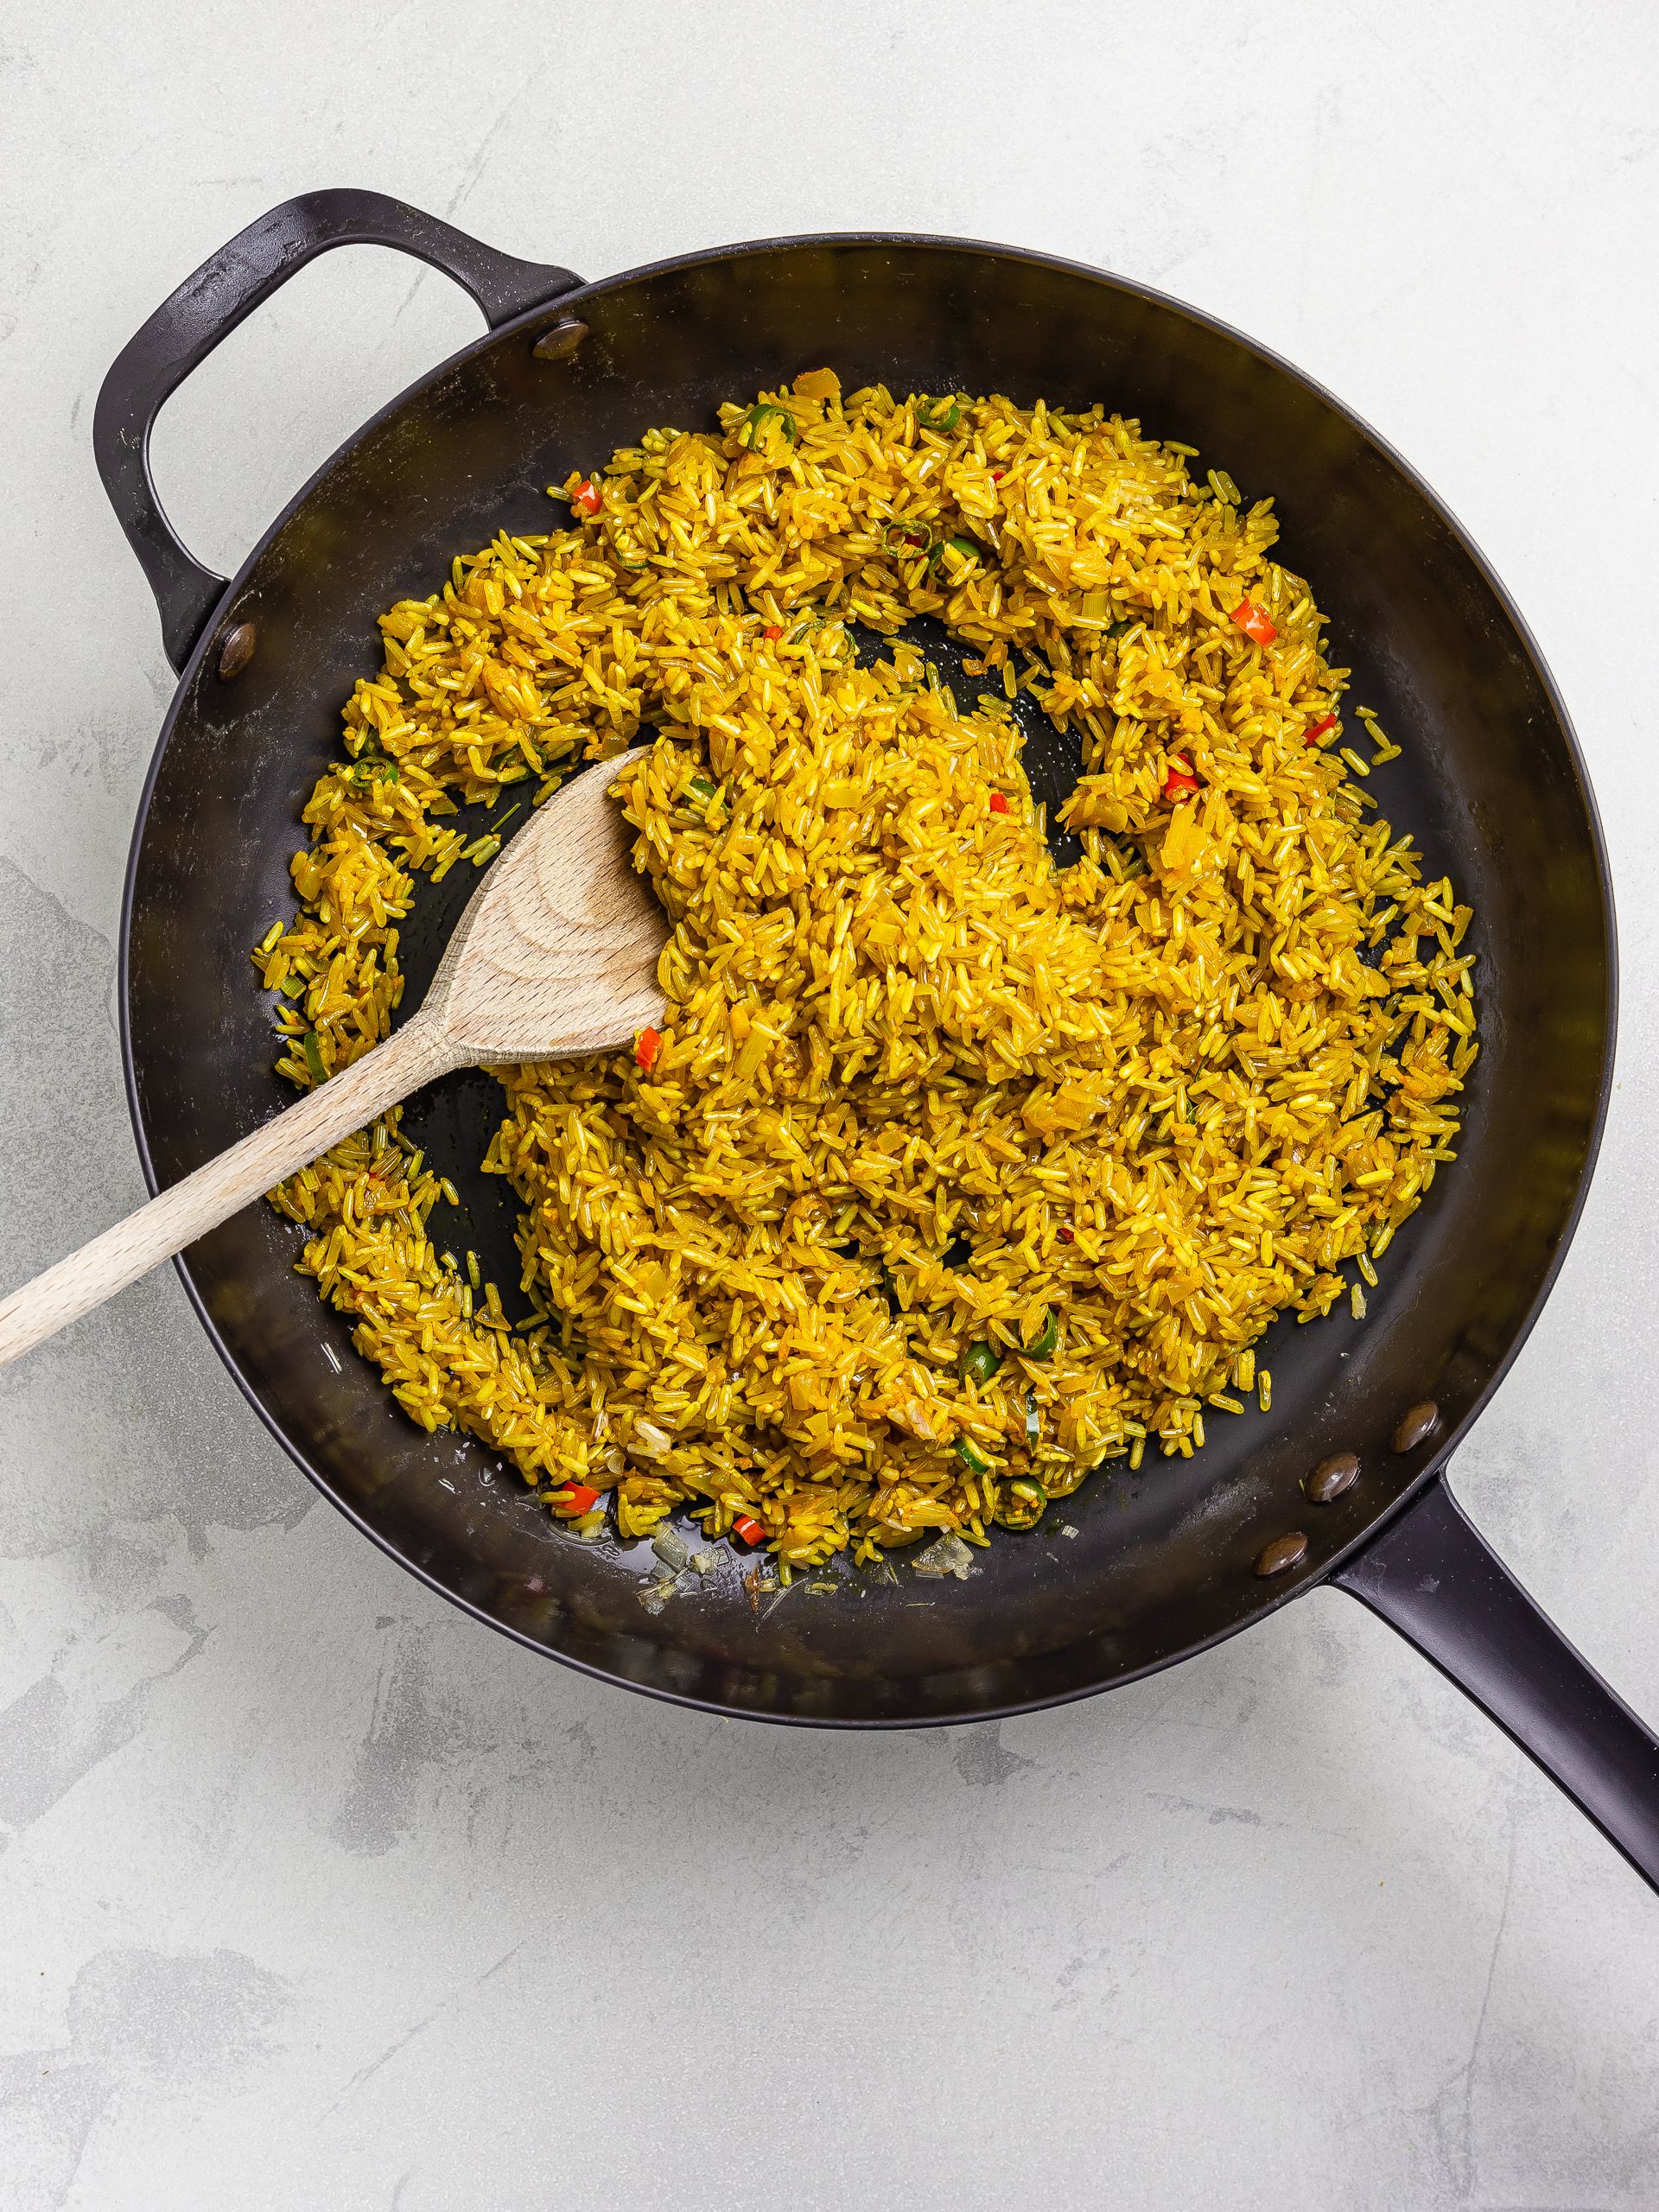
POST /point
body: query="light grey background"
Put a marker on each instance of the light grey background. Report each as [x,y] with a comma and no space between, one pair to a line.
[312,1891]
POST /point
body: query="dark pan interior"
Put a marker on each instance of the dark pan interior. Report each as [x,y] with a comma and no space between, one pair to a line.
[1490,784]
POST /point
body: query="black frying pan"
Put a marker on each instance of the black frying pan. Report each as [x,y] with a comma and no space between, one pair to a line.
[1492,784]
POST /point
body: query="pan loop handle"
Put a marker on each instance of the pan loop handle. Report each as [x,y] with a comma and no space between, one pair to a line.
[208,306]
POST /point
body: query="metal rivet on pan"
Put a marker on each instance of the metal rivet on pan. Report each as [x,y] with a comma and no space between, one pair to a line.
[1331,1477]
[563,338]
[237,650]
[1422,1420]
[1283,1552]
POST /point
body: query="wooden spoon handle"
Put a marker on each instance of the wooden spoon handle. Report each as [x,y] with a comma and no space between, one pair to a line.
[418,1054]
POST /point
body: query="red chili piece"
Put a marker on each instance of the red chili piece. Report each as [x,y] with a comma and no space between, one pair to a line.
[1068,1237]
[1319,730]
[1181,779]
[999,804]
[749,1528]
[997,475]
[1253,622]
[645,1051]
[588,498]
[576,1497]
[772,633]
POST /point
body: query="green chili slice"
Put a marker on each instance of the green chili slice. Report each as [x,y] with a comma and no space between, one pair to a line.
[979,1361]
[1047,1337]
[1120,629]
[755,421]
[935,420]
[971,1457]
[810,629]
[907,539]
[1024,1505]
[963,548]
[313,1057]
[1033,1419]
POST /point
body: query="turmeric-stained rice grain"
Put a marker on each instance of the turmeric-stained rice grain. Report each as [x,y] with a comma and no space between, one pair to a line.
[917,1090]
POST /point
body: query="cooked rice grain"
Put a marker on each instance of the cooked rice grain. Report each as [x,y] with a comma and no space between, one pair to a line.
[918,1090]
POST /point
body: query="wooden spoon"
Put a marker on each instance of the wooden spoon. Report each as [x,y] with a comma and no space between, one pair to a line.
[554,956]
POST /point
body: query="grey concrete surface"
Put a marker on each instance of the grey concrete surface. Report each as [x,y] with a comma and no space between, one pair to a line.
[313,1892]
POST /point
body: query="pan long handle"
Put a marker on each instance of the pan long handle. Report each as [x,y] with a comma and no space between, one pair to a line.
[208,306]
[1430,1574]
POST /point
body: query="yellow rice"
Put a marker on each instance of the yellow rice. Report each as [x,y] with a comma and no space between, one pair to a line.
[1162,1095]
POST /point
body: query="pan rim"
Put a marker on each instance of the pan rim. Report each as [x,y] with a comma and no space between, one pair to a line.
[932,242]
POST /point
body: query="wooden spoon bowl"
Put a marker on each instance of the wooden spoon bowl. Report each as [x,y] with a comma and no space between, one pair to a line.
[555,957]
